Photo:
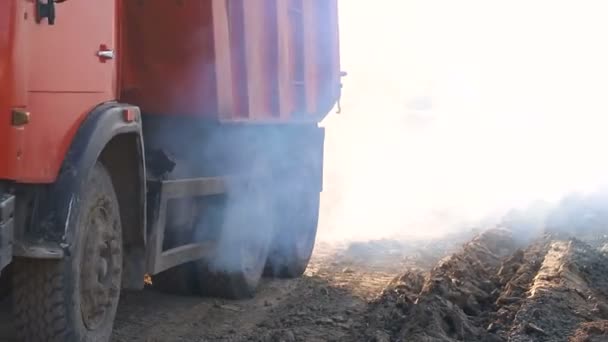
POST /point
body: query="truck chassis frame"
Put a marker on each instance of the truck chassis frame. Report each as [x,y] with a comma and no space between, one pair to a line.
[159,259]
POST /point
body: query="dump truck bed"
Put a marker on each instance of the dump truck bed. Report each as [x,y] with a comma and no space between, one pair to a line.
[232,60]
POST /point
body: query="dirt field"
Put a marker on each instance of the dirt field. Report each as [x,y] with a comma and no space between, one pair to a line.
[327,304]
[490,288]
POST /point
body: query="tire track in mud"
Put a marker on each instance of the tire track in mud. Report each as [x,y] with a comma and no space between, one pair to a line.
[152,316]
[323,305]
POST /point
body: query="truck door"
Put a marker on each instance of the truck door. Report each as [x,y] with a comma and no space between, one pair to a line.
[70,70]
[70,47]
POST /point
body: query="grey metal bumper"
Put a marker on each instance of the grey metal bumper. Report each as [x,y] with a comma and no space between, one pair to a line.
[7,209]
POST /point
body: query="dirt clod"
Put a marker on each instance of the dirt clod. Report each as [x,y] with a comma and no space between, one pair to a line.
[380,336]
[531,328]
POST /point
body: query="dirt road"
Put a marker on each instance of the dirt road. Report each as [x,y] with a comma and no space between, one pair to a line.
[326,304]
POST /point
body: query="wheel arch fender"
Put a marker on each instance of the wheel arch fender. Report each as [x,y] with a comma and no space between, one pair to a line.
[110,134]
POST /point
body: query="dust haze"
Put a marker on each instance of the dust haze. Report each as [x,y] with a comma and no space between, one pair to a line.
[460,111]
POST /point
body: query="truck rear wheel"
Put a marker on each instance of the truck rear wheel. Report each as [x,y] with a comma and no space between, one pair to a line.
[178,280]
[76,298]
[5,282]
[237,266]
[297,217]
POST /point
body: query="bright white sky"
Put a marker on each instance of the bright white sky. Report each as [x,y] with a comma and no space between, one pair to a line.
[519,94]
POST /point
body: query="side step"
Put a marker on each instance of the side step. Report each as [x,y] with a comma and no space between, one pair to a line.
[7,209]
[159,260]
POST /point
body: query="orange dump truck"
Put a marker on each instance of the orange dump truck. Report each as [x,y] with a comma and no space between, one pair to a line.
[172,138]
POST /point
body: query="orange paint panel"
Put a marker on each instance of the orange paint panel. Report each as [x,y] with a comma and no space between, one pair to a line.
[285,55]
[311,71]
[254,53]
[9,137]
[63,57]
[224,60]
[54,121]
[55,74]
[168,54]
[328,56]
[231,60]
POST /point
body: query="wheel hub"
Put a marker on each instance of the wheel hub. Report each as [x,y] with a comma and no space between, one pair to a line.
[100,269]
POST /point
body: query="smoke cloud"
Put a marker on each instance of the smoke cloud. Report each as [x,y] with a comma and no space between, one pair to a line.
[460,112]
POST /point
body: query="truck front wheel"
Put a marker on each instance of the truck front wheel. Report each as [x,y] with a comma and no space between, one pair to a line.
[76,298]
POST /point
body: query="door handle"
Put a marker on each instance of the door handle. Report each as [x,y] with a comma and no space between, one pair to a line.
[106,54]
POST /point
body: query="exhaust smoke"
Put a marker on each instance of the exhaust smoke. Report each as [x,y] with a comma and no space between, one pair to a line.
[455,119]
[456,114]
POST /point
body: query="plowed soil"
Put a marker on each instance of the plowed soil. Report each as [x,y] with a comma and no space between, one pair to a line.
[554,289]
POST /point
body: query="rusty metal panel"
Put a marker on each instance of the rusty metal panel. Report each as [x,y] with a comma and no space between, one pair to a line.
[232,60]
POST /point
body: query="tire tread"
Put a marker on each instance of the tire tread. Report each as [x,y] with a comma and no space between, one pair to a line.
[38,293]
[43,290]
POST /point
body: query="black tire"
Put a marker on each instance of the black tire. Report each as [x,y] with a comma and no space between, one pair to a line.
[297,218]
[76,298]
[179,280]
[182,280]
[237,266]
[5,283]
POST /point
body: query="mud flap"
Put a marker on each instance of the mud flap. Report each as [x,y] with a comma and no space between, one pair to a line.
[7,207]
